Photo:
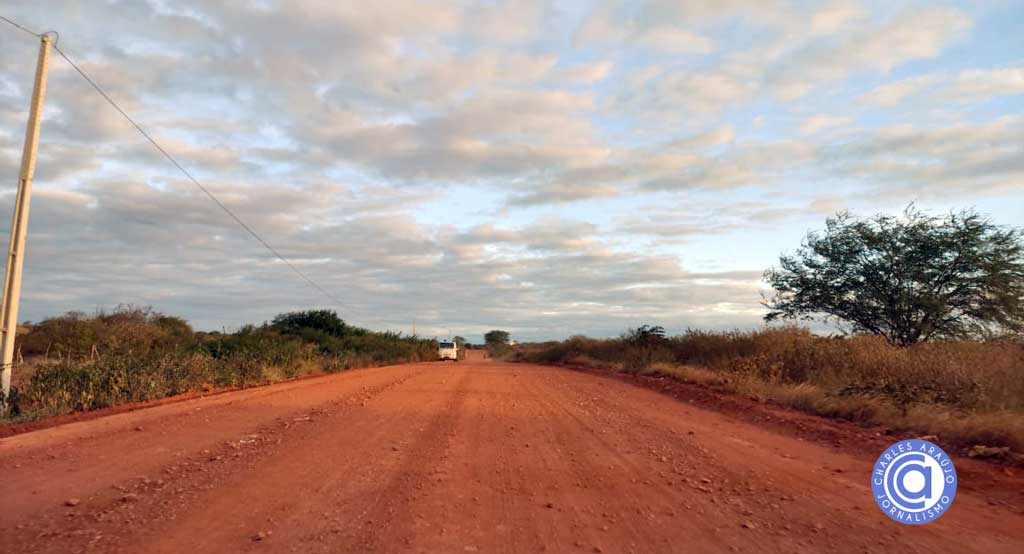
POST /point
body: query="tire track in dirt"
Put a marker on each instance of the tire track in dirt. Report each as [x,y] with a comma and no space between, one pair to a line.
[468,457]
[163,496]
[80,460]
[392,517]
[674,481]
[626,466]
[823,495]
[302,490]
[481,504]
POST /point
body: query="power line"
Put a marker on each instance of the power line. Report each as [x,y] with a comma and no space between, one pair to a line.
[19,26]
[182,169]
[192,178]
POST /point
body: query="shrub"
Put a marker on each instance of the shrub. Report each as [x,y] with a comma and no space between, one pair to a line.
[862,378]
[134,354]
[75,335]
[258,346]
[110,380]
[324,321]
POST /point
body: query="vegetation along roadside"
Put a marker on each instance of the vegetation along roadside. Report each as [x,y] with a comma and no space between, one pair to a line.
[77,362]
[927,321]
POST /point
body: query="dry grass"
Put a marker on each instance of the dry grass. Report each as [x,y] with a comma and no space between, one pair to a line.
[965,392]
[79,362]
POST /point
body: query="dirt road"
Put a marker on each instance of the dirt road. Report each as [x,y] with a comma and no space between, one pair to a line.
[467,457]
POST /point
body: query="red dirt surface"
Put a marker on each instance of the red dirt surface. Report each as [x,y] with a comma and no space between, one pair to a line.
[477,456]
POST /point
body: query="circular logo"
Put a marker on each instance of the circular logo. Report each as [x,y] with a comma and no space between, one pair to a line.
[914,481]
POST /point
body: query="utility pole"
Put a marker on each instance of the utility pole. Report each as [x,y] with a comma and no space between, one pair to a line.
[16,252]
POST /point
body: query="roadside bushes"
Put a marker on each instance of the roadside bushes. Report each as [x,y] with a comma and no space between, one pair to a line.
[964,374]
[113,379]
[130,355]
[75,335]
[251,349]
[862,378]
[347,346]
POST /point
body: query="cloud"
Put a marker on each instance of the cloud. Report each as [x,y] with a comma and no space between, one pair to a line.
[907,36]
[587,73]
[895,93]
[972,159]
[836,16]
[839,43]
[814,124]
[676,231]
[687,223]
[712,138]
[672,40]
[560,193]
[652,25]
[402,153]
[100,247]
[965,87]
[507,21]
[504,134]
[670,94]
[745,164]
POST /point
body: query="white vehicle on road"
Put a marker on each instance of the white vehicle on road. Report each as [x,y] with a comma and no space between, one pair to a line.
[448,350]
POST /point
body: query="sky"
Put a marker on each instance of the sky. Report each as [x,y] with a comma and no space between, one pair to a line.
[548,168]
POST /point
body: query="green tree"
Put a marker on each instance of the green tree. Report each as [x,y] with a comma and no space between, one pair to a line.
[459,341]
[326,321]
[908,279]
[497,343]
[496,338]
[645,335]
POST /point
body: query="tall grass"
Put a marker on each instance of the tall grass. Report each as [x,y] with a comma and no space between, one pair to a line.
[88,362]
[968,391]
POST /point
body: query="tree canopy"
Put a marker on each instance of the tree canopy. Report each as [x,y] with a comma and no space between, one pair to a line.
[496,337]
[645,335]
[908,278]
[326,321]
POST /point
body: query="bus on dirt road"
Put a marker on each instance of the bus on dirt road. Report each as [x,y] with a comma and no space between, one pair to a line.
[447,350]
